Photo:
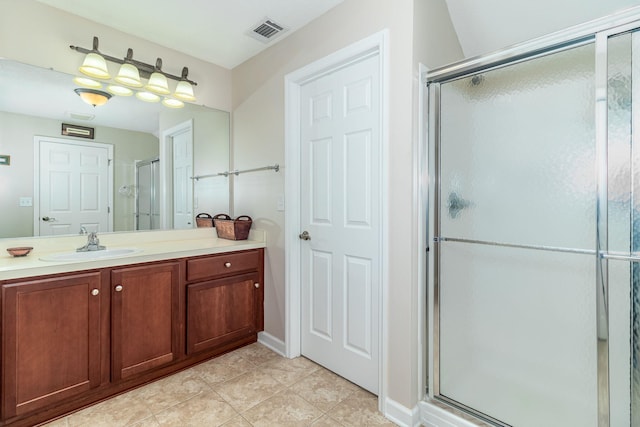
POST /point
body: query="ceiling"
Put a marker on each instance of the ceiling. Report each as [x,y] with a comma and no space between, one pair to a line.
[490,25]
[211,30]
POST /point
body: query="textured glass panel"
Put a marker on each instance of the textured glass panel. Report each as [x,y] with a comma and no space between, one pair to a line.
[518,153]
[517,334]
[619,343]
[619,140]
[620,199]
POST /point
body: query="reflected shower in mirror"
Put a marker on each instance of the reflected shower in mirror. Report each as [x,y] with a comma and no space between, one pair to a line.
[35,102]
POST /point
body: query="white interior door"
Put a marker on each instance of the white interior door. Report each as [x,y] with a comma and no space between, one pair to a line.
[182,182]
[73,187]
[340,211]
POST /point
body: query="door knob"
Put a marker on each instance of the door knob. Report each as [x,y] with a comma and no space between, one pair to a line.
[95,292]
[48,219]
[305,235]
[119,288]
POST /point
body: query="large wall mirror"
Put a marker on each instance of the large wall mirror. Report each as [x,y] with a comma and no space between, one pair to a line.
[35,102]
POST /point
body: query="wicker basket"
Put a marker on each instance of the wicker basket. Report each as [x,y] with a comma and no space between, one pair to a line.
[204,220]
[232,229]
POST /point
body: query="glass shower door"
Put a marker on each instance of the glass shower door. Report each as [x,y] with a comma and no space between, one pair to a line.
[516,231]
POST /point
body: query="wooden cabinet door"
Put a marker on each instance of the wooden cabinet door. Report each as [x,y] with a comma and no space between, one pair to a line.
[144,318]
[221,311]
[51,341]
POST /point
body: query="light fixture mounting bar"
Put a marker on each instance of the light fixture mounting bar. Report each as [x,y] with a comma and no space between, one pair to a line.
[144,68]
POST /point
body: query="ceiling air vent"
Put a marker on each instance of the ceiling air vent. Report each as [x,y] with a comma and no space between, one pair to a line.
[266,30]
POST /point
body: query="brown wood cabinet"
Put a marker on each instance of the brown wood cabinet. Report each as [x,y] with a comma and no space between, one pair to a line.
[221,311]
[51,338]
[78,338]
[144,318]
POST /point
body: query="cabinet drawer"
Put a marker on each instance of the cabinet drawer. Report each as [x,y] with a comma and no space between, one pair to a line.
[222,265]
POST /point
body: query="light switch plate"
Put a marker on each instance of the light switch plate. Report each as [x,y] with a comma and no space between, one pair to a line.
[26,201]
[280,203]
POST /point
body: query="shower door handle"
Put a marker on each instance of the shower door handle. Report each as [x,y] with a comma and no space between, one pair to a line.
[456,204]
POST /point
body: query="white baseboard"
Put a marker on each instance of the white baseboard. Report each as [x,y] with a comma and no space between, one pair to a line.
[401,415]
[272,342]
[432,415]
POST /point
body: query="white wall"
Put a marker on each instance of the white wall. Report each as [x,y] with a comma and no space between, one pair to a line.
[258,135]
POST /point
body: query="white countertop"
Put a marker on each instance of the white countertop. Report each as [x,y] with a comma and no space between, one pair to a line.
[153,246]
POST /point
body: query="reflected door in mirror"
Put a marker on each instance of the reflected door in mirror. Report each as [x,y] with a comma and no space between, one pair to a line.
[73,184]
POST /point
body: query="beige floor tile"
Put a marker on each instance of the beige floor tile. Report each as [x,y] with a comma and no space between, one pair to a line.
[62,422]
[359,409]
[237,422]
[249,389]
[223,368]
[170,391]
[289,371]
[256,353]
[121,410]
[324,389]
[326,421]
[283,409]
[147,422]
[252,386]
[205,409]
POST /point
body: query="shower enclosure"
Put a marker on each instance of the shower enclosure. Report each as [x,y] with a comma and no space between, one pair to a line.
[534,265]
[148,194]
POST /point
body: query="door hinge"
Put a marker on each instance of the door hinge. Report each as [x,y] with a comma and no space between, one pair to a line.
[109,162]
[108,209]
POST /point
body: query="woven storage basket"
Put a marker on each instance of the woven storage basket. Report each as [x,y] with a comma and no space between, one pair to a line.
[232,229]
[204,220]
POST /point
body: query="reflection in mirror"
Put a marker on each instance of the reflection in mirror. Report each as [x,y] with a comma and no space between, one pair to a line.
[34,102]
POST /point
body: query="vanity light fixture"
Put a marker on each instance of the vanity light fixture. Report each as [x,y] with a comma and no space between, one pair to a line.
[92,96]
[184,90]
[157,81]
[119,90]
[87,82]
[130,73]
[172,103]
[94,65]
[147,96]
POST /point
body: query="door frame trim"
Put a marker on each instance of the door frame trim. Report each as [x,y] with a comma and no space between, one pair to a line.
[37,140]
[376,44]
[166,170]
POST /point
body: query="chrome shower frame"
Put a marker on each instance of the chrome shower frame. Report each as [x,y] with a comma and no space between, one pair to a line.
[597,32]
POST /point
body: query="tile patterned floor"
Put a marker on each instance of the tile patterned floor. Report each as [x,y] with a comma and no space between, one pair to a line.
[251,386]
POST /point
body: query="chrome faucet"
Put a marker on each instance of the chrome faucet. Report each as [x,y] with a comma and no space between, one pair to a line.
[93,243]
[83,230]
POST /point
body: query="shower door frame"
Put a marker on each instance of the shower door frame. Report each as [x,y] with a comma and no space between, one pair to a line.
[596,32]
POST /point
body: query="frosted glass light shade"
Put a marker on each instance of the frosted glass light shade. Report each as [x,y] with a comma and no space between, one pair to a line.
[87,82]
[184,91]
[95,66]
[93,97]
[119,90]
[129,76]
[158,84]
[172,103]
[147,96]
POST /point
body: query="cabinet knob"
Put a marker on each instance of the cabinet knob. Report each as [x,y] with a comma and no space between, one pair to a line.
[95,292]
[257,285]
[119,288]
[227,264]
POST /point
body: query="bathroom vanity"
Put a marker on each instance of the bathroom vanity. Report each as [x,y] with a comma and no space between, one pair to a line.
[74,333]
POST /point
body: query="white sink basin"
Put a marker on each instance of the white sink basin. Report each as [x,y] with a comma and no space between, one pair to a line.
[91,255]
